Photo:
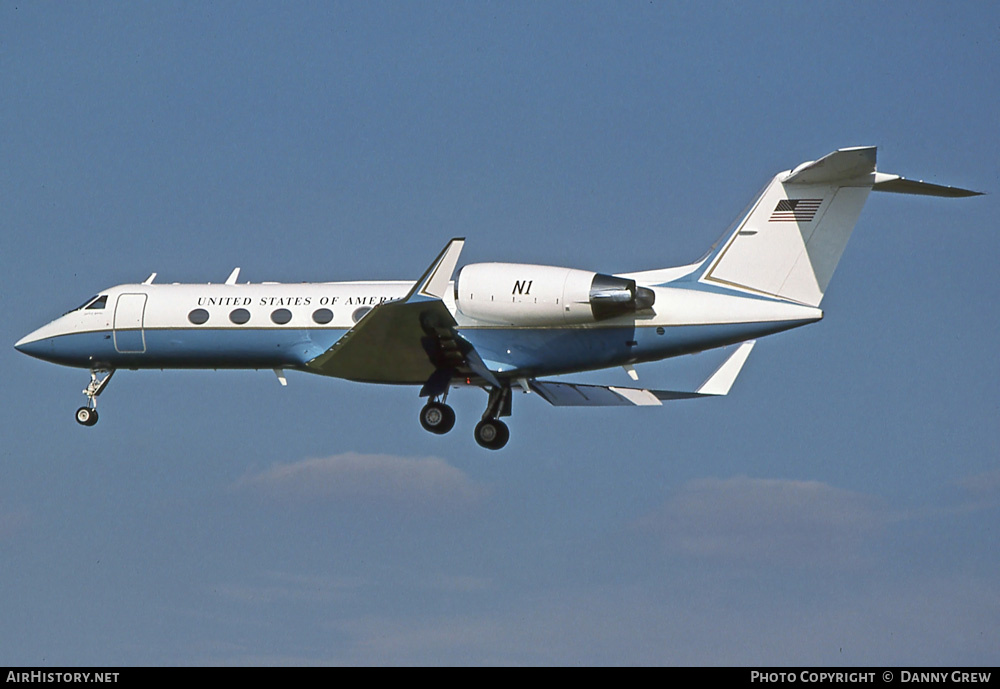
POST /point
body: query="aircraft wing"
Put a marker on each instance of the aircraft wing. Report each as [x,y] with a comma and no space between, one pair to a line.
[573,395]
[410,340]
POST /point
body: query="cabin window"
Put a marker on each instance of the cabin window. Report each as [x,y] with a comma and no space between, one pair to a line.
[198,316]
[98,303]
[360,313]
[281,316]
[322,316]
[239,316]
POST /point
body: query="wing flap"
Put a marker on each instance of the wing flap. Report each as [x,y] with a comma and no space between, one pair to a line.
[575,395]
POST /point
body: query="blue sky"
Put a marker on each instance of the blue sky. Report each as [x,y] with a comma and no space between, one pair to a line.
[839,507]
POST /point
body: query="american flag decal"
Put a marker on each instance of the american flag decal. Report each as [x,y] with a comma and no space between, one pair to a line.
[795,210]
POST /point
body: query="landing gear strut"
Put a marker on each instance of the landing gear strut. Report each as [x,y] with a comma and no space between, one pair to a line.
[87,416]
[491,432]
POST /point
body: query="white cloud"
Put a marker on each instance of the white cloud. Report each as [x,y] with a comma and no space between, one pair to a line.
[767,520]
[426,482]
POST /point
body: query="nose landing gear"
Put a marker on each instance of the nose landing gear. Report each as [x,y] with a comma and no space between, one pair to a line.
[87,416]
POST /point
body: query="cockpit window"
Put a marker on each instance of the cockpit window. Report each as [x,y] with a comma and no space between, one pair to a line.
[80,307]
[99,303]
[95,302]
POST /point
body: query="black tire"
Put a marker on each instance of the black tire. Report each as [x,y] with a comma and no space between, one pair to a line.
[437,418]
[85,416]
[492,434]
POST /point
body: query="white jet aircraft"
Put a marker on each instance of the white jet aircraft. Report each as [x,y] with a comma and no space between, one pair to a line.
[498,326]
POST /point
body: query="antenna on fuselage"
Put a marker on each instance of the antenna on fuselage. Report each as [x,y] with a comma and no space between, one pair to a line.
[233,277]
[149,280]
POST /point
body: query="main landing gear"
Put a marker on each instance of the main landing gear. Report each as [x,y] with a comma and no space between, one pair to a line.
[491,432]
[87,416]
[437,417]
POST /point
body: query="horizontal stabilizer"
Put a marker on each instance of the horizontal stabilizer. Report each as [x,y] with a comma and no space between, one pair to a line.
[573,395]
[901,185]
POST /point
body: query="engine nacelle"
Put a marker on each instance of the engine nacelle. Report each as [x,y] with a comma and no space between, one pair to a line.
[522,294]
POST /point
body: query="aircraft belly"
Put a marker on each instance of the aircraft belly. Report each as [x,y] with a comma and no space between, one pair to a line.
[237,348]
[552,351]
[190,348]
[548,350]
[655,343]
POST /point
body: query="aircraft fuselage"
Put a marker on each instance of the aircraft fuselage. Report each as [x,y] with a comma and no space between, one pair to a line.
[279,325]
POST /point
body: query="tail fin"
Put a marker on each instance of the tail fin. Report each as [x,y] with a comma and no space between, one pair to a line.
[790,242]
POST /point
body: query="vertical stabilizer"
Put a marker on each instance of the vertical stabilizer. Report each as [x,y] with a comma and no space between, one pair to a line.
[790,242]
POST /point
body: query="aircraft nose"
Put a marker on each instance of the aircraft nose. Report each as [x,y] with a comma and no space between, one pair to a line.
[54,342]
[31,344]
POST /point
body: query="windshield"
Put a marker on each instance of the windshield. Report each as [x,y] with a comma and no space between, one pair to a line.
[95,302]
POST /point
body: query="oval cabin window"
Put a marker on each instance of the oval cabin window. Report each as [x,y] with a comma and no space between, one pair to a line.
[198,316]
[322,316]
